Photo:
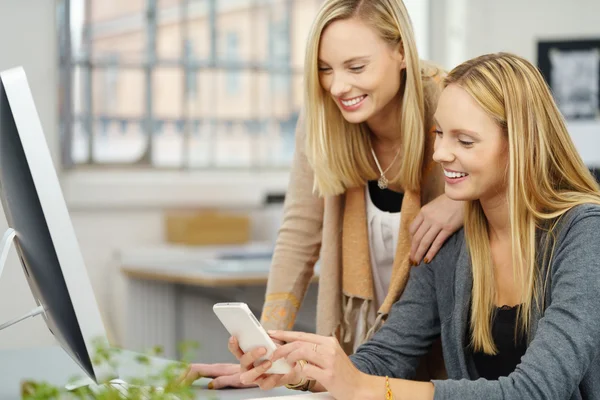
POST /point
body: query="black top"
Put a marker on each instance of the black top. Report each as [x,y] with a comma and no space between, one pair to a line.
[385,199]
[509,353]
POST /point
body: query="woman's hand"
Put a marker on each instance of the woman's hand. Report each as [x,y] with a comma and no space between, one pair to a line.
[251,375]
[224,375]
[435,223]
[327,364]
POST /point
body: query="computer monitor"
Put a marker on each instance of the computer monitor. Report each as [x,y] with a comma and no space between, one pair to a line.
[45,239]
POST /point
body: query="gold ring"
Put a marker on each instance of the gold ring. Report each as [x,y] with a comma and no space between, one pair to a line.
[303,381]
[302,364]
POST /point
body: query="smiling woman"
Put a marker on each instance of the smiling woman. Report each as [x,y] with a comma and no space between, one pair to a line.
[365,84]
[509,295]
[463,154]
[362,180]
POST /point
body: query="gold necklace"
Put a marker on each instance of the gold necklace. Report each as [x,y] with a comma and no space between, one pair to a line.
[382,182]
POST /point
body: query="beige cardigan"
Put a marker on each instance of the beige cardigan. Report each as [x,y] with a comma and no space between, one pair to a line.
[312,230]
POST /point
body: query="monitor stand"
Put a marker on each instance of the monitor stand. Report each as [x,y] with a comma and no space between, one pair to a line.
[9,237]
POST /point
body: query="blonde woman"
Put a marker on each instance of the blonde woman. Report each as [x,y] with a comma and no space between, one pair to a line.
[514,296]
[362,174]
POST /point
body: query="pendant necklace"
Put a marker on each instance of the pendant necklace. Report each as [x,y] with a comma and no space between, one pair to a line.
[383,182]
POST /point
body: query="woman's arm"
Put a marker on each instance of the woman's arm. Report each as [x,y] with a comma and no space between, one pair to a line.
[567,339]
[394,350]
[434,224]
[411,328]
[298,243]
[296,252]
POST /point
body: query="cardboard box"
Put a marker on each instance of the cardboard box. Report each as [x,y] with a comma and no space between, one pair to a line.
[206,228]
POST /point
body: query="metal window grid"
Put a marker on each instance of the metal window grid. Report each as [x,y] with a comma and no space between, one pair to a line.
[87,64]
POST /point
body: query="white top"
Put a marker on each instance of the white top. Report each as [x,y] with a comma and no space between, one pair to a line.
[383,230]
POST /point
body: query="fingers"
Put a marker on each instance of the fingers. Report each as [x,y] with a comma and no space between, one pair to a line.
[312,353]
[314,372]
[252,375]
[216,370]
[197,371]
[248,359]
[285,350]
[414,226]
[416,242]
[436,245]
[188,377]
[227,381]
[307,353]
[234,348]
[426,242]
[289,336]
[269,382]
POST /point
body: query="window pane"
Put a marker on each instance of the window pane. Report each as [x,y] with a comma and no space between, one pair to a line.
[169,26]
[226,83]
[198,42]
[118,92]
[114,11]
[118,108]
[169,123]
[303,14]
[80,136]
[117,30]
[80,142]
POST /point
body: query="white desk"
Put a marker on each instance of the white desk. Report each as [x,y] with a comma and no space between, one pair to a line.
[53,365]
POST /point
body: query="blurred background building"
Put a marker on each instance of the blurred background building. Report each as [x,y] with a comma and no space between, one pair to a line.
[185,83]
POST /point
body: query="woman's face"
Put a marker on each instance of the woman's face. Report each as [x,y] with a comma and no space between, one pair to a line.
[471,147]
[358,69]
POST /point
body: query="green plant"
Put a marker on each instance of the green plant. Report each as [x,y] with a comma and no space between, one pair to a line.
[139,387]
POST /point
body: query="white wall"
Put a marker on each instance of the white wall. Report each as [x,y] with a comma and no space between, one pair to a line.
[463,29]
[28,38]
[514,25]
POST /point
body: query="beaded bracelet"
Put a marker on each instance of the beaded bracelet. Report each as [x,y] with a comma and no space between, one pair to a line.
[388,391]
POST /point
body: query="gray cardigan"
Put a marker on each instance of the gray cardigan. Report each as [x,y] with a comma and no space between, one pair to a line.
[562,359]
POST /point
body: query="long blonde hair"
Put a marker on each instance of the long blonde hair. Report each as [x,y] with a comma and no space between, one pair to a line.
[337,150]
[546,178]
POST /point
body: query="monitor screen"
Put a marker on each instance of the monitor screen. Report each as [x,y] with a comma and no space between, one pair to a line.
[45,241]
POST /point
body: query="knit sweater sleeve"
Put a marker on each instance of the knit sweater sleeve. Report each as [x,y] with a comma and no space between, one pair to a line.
[567,340]
[298,243]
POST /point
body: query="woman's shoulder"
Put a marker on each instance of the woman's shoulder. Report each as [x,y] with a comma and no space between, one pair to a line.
[451,249]
[432,73]
[432,76]
[582,216]
[578,227]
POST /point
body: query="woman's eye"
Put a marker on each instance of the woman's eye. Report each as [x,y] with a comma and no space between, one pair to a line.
[438,132]
[466,143]
[324,69]
[357,69]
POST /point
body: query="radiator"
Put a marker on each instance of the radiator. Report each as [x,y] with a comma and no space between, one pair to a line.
[165,314]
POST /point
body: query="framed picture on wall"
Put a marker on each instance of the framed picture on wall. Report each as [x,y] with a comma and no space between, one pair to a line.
[572,69]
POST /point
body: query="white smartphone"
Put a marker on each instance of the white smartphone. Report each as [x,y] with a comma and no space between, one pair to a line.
[240,322]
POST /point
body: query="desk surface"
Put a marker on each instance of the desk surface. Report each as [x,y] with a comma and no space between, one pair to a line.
[200,266]
[53,365]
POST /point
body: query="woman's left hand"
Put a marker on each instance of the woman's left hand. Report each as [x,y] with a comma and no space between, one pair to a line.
[435,223]
[327,363]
